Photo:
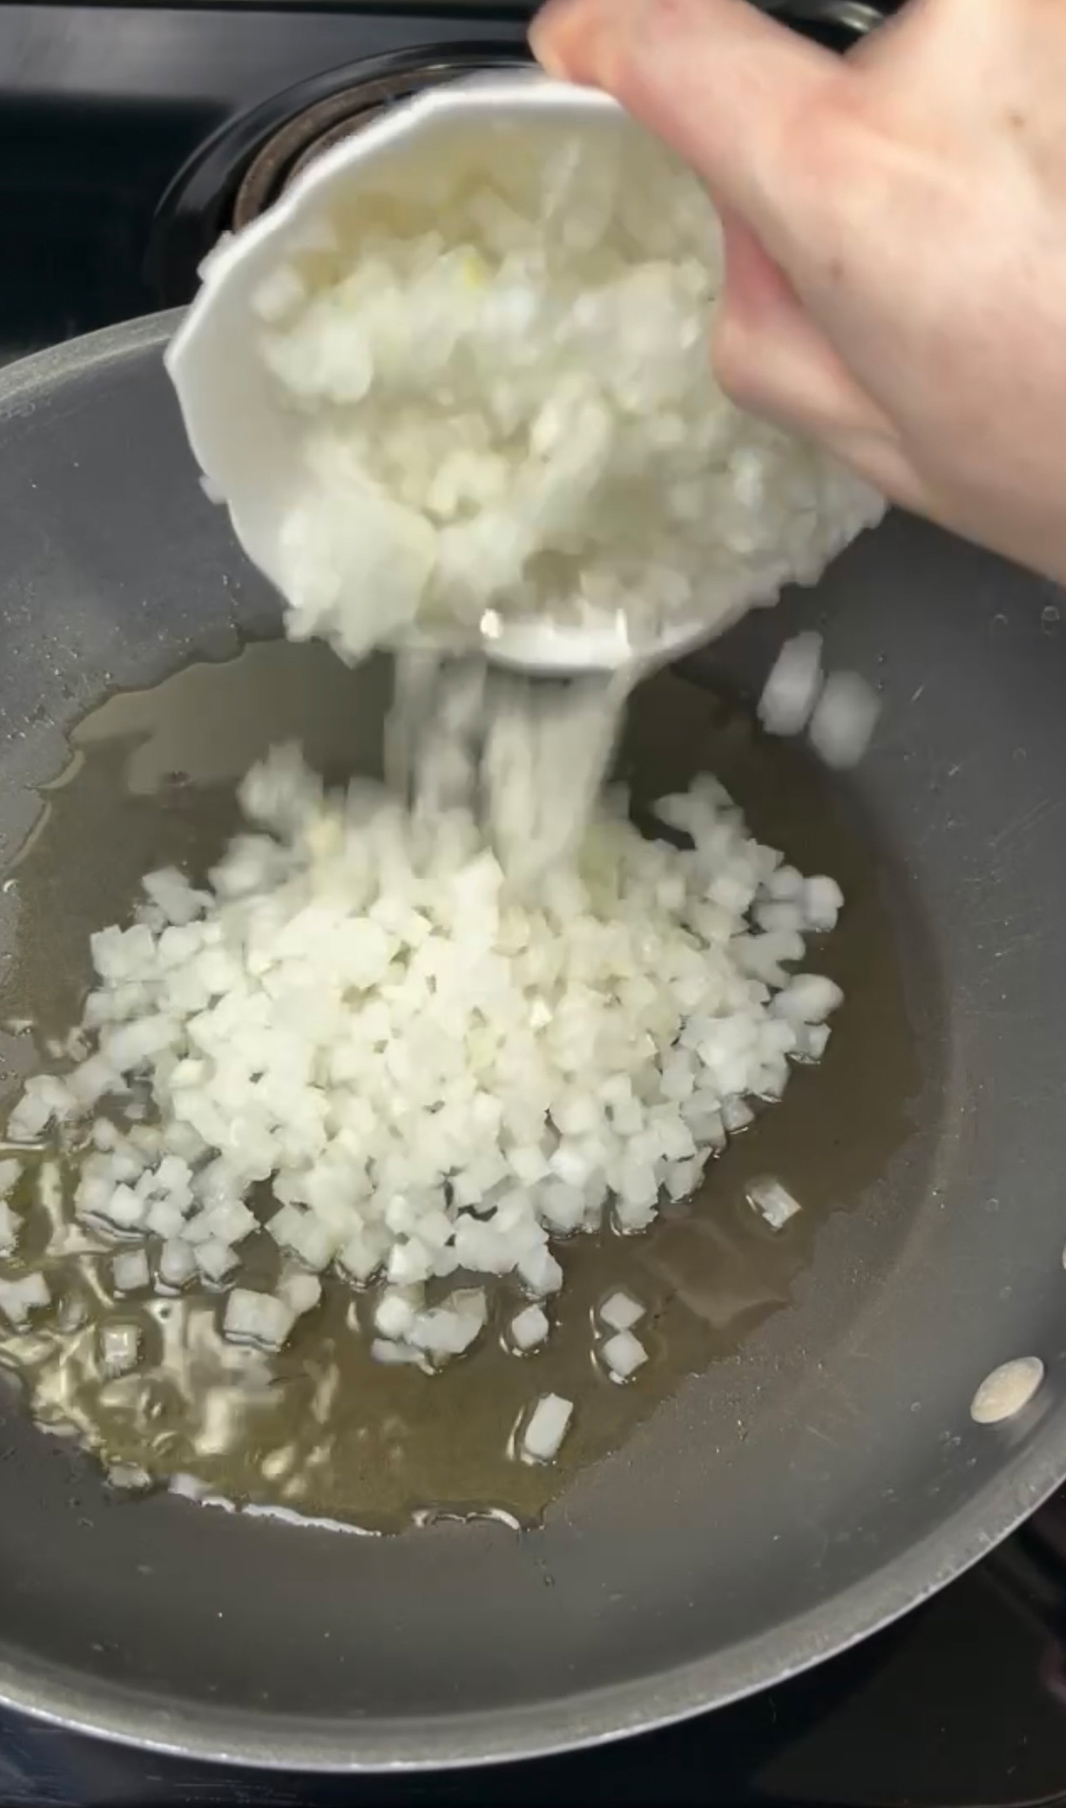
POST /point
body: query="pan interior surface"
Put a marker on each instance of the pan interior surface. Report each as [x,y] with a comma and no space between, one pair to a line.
[337,1435]
[808,1484]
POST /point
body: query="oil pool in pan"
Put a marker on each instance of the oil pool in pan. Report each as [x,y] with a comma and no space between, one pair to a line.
[322,1429]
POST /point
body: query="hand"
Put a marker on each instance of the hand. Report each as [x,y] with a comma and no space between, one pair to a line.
[895,227]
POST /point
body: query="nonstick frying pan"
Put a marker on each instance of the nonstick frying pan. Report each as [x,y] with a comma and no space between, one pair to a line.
[793,1497]
[789,1500]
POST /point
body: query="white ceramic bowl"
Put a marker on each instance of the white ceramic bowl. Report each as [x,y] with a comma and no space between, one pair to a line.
[238,430]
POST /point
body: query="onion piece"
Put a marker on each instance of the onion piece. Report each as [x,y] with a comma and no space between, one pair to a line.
[772,1201]
[546,1428]
[395,1314]
[622,1355]
[791,691]
[215,1260]
[130,1271]
[449,1329]
[621,1311]
[528,1328]
[393,1354]
[18,1298]
[844,719]
[261,1319]
[177,1263]
[300,1293]
[120,1348]
[10,1225]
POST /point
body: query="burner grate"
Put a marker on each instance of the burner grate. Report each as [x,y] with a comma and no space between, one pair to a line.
[241,169]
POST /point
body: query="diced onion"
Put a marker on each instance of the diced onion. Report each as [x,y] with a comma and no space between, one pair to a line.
[844,719]
[546,1428]
[120,1348]
[18,1298]
[529,1328]
[791,691]
[773,1202]
[508,409]
[623,1354]
[177,1264]
[621,1311]
[130,1271]
[9,1228]
[257,1318]
[435,1069]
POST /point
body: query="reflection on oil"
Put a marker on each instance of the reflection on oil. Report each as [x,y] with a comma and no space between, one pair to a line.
[321,1428]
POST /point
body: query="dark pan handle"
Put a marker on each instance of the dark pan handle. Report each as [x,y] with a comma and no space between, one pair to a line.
[837,23]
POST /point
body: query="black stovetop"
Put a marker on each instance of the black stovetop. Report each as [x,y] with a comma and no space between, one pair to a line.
[108,197]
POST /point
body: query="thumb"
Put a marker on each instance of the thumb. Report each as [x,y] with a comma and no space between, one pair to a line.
[721,83]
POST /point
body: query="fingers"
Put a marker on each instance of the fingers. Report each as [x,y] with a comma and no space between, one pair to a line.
[767,119]
[771,357]
[772,360]
[728,88]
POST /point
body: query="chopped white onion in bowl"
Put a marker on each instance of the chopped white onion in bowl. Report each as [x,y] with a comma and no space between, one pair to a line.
[491,403]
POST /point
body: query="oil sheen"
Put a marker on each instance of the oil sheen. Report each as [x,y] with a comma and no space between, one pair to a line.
[321,1429]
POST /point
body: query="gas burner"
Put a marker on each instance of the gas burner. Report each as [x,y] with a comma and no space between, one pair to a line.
[237,173]
[233,176]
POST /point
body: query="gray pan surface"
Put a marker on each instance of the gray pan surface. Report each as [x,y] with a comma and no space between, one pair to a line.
[788,1501]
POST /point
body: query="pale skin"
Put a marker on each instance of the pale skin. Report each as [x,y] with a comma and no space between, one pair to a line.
[895,234]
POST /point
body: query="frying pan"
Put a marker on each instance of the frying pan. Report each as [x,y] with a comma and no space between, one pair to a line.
[789,1500]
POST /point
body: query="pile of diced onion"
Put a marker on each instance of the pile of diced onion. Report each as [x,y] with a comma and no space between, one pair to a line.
[505,403]
[415,1076]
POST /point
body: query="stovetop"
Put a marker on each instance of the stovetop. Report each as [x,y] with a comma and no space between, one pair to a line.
[129,137]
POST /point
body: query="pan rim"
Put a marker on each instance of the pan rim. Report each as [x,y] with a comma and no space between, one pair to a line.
[260,1740]
[557,1726]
